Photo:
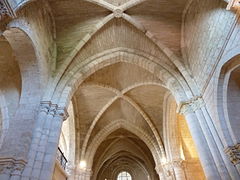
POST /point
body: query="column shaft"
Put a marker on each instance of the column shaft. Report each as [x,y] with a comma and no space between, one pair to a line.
[51,146]
[204,152]
[212,145]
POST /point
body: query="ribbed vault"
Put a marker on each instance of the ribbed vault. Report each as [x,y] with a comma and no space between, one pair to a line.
[123,151]
[119,85]
[120,100]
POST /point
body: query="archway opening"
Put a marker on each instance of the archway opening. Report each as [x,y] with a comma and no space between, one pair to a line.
[119,95]
[233,100]
[229,99]
[123,151]
[10,85]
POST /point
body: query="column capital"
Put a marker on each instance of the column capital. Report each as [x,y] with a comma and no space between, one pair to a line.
[53,109]
[45,106]
[62,112]
[11,166]
[233,153]
[191,105]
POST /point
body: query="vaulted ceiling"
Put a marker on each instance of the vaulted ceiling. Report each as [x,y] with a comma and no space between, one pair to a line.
[78,21]
[122,93]
[119,93]
[123,150]
[119,108]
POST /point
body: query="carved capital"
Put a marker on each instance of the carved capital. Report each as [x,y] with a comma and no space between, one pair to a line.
[233,152]
[53,109]
[191,106]
[11,166]
[62,112]
[45,106]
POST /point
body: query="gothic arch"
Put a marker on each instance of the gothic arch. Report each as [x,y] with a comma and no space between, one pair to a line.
[228,98]
[171,140]
[26,58]
[120,94]
[40,63]
[24,50]
[220,72]
[68,84]
[122,151]
[153,147]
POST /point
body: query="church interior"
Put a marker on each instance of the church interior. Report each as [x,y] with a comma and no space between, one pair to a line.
[119,89]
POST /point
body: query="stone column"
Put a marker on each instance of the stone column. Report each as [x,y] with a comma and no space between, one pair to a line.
[178,166]
[205,156]
[215,147]
[60,114]
[222,158]
[35,157]
[42,155]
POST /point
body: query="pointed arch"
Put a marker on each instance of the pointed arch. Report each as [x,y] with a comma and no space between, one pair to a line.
[99,138]
[25,55]
[132,103]
[69,83]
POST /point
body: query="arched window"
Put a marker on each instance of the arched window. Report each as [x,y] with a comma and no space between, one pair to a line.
[124,176]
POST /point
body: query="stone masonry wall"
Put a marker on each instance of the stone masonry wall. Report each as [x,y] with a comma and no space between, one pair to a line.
[36,20]
[207,28]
